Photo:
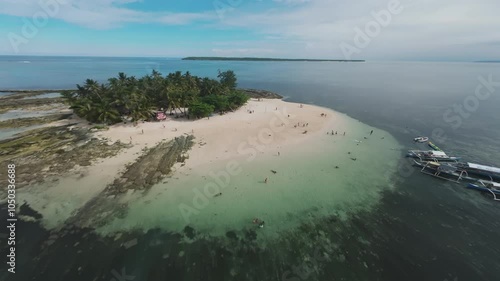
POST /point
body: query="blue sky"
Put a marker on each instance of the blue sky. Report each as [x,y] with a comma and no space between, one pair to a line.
[416,30]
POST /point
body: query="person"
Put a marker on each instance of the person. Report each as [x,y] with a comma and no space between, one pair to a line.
[265,181]
[142,131]
[344,133]
[371,132]
[261,224]
[255,221]
[278,153]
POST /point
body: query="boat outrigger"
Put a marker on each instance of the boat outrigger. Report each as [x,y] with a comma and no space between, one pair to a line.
[444,171]
[485,186]
[431,155]
[434,147]
[420,139]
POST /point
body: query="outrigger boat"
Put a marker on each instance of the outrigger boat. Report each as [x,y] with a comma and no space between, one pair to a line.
[488,172]
[444,171]
[485,186]
[420,139]
[434,147]
[431,155]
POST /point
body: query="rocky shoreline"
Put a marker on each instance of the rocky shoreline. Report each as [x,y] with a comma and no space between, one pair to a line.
[53,151]
[261,94]
[152,166]
[149,169]
[32,121]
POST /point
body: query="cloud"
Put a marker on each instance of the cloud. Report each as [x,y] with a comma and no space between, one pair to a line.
[307,28]
[423,27]
[99,14]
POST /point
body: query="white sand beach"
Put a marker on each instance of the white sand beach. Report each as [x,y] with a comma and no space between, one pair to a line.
[287,160]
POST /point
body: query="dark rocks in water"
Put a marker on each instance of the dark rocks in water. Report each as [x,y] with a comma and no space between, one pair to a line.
[153,166]
[261,94]
[251,235]
[232,235]
[26,210]
[31,121]
[39,153]
[189,232]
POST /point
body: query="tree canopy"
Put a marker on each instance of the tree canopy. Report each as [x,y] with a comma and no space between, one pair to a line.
[130,98]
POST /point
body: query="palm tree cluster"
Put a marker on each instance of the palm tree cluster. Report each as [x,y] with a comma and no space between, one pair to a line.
[128,98]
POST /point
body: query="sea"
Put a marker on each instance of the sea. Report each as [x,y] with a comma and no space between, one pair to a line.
[415,228]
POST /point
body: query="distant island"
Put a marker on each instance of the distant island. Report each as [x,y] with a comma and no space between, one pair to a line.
[263,59]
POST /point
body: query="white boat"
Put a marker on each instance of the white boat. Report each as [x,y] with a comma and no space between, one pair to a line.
[431,155]
[488,172]
[421,139]
[444,171]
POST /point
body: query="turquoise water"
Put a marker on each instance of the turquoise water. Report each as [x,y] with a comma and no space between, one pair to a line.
[417,228]
[307,186]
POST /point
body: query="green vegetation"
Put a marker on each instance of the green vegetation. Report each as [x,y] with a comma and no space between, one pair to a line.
[129,98]
[263,59]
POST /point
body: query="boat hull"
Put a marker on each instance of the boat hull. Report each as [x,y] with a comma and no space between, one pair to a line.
[482,188]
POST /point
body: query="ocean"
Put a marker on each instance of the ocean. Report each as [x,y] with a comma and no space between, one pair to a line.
[419,229]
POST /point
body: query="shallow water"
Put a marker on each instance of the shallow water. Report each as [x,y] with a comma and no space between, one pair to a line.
[46,95]
[20,113]
[307,186]
[11,132]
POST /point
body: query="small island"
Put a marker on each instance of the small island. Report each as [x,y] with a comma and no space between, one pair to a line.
[264,59]
[149,98]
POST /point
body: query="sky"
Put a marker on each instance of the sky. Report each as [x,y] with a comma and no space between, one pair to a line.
[444,30]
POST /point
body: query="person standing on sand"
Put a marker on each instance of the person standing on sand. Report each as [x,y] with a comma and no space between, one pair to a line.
[371,132]
[265,181]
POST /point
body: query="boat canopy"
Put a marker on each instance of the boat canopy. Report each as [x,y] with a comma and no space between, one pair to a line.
[438,153]
[484,168]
